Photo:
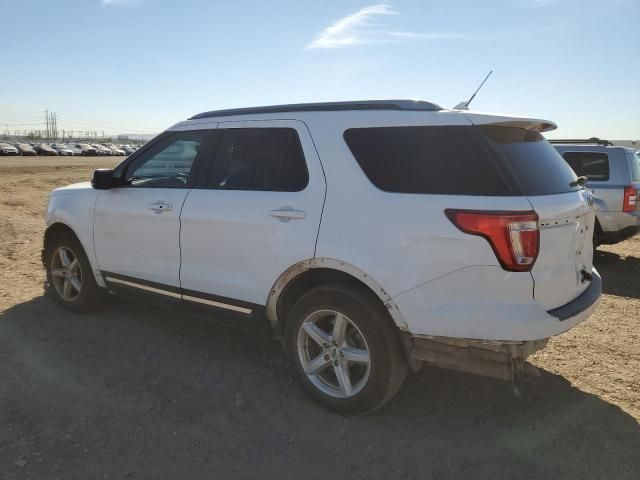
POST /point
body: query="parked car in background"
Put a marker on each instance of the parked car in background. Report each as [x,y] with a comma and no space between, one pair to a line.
[75,148]
[614,180]
[115,150]
[63,149]
[85,149]
[25,149]
[101,150]
[45,150]
[128,150]
[366,236]
[7,149]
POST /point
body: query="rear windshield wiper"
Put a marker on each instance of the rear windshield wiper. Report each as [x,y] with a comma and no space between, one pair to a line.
[579,182]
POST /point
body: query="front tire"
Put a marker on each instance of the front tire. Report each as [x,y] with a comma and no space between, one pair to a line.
[70,280]
[346,351]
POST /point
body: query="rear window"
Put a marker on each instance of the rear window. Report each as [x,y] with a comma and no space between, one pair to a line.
[460,160]
[437,160]
[535,165]
[593,165]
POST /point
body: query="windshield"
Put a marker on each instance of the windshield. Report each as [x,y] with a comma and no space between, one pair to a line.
[535,165]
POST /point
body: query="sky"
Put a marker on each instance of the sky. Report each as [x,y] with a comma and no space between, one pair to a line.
[139,66]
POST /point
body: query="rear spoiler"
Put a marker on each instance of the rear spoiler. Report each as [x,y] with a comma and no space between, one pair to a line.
[506,121]
[537,125]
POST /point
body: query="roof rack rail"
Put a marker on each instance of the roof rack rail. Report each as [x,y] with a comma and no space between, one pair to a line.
[411,105]
[593,140]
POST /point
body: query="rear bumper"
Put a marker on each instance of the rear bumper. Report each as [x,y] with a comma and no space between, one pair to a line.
[502,360]
[489,304]
[499,359]
[587,300]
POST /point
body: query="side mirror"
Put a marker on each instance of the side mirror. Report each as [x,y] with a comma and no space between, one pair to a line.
[102,179]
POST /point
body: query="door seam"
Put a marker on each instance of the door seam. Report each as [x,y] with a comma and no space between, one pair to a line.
[180,241]
[326,187]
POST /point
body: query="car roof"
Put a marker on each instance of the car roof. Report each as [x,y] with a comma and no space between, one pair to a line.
[411,105]
[367,109]
[585,147]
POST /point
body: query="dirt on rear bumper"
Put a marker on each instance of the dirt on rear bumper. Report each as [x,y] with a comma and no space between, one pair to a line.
[502,360]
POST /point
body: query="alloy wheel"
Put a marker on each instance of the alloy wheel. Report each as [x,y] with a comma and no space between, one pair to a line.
[66,274]
[334,353]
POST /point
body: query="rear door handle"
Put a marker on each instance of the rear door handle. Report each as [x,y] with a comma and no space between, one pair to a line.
[285,214]
[160,207]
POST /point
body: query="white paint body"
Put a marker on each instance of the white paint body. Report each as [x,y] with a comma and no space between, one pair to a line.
[133,240]
[233,246]
[435,279]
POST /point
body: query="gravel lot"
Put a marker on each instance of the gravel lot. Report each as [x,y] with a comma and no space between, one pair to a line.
[137,392]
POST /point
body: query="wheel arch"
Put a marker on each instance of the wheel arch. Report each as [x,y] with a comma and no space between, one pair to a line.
[309,273]
[56,229]
[59,227]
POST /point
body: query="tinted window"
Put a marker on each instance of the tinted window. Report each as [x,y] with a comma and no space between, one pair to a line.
[439,160]
[536,166]
[258,159]
[168,163]
[593,165]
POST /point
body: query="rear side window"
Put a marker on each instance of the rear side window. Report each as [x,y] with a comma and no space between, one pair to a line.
[536,166]
[258,159]
[437,160]
[593,165]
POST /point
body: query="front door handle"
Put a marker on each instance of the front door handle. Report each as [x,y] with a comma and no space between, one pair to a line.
[160,207]
[284,214]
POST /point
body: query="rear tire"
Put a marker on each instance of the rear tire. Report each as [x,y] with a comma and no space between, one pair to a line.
[70,280]
[346,350]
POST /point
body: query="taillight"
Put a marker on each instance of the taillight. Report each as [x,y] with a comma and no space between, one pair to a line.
[631,201]
[514,236]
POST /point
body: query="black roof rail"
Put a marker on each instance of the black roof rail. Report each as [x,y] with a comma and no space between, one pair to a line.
[410,105]
[592,140]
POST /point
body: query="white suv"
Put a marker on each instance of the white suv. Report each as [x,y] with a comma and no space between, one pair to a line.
[366,236]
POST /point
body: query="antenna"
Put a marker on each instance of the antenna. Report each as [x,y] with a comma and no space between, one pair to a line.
[465,105]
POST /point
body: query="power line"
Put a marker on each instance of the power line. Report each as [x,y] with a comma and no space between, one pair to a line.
[49,129]
[22,118]
[21,124]
[112,126]
[110,129]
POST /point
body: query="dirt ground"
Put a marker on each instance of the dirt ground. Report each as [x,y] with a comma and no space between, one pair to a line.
[138,392]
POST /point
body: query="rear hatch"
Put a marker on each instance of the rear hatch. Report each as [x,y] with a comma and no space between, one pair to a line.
[562,270]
